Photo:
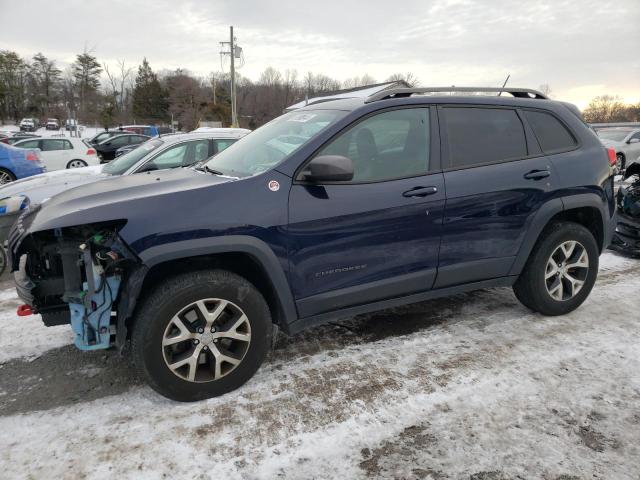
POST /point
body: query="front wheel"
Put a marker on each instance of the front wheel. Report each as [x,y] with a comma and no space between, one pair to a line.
[76,164]
[201,334]
[561,270]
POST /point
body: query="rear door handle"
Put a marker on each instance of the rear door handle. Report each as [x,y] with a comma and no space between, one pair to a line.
[537,174]
[420,192]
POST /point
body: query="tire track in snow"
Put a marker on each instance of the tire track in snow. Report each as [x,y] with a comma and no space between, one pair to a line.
[483,387]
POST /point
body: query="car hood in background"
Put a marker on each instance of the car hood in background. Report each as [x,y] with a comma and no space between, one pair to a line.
[45,185]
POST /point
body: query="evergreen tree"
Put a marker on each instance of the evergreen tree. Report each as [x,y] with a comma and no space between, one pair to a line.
[86,73]
[46,77]
[149,100]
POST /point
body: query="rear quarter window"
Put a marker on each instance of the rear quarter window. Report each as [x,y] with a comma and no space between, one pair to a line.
[552,135]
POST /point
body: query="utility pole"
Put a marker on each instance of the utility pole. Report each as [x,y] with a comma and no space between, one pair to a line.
[234,113]
[233,52]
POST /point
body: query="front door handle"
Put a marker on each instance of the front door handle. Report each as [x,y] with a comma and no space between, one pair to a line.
[420,192]
[537,174]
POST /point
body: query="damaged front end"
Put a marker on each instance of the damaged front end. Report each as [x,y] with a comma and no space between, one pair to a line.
[75,275]
[626,238]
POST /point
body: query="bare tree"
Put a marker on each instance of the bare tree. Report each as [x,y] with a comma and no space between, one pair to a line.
[408,77]
[545,89]
[607,108]
[119,87]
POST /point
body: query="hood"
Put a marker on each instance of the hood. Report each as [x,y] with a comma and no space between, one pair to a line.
[113,198]
[45,185]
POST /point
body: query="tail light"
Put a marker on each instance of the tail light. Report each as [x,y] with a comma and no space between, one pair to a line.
[91,151]
[612,156]
[33,156]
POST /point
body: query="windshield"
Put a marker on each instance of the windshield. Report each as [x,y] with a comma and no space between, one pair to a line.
[128,160]
[615,135]
[272,143]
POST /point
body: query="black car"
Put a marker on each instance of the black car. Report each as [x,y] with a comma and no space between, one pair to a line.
[107,148]
[330,211]
[102,136]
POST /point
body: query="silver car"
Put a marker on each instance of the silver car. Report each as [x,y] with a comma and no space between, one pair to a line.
[625,141]
[171,151]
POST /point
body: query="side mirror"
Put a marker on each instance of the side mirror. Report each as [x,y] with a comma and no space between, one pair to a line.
[328,168]
[634,140]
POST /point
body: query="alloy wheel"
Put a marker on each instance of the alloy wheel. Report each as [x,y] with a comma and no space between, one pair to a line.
[206,340]
[5,178]
[566,270]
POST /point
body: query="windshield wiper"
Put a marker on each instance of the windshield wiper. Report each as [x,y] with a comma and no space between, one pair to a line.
[206,168]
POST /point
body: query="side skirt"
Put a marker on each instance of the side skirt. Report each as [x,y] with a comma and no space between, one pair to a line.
[308,322]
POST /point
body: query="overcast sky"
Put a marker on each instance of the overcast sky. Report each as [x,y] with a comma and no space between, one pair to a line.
[581,48]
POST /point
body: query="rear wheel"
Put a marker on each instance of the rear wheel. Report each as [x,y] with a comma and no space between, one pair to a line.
[76,164]
[201,334]
[561,270]
[6,176]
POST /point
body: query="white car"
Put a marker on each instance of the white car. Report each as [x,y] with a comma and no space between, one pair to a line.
[625,141]
[160,153]
[60,152]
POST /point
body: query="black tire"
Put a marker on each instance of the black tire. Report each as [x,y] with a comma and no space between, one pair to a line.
[6,176]
[156,312]
[77,161]
[620,161]
[531,287]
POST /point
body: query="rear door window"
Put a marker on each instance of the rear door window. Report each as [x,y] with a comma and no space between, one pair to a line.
[53,145]
[477,135]
[220,145]
[552,135]
[120,141]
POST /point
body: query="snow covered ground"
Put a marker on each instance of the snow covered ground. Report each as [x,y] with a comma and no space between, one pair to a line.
[85,132]
[473,386]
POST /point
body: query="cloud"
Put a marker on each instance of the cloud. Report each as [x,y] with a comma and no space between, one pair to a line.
[568,44]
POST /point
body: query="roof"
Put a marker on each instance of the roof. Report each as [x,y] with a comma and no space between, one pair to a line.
[228,132]
[176,137]
[357,92]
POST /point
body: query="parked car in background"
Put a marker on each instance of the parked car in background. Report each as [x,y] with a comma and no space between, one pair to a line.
[28,125]
[18,136]
[71,124]
[101,136]
[17,163]
[53,124]
[124,150]
[107,148]
[336,209]
[150,130]
[156,154]
[625,141]
[61,152]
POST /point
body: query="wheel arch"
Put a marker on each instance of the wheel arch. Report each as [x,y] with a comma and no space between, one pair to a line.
[246,256]
[584,209]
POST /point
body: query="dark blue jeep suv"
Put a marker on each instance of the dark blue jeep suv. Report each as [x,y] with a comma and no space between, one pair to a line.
[339,208]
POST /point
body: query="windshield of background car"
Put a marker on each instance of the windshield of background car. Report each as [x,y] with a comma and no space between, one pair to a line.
[615,135]
[128,160]
[272,143]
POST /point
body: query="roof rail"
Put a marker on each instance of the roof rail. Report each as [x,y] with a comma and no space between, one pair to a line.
[407,92]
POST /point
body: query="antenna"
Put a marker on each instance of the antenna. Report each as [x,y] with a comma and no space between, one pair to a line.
[505,83]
